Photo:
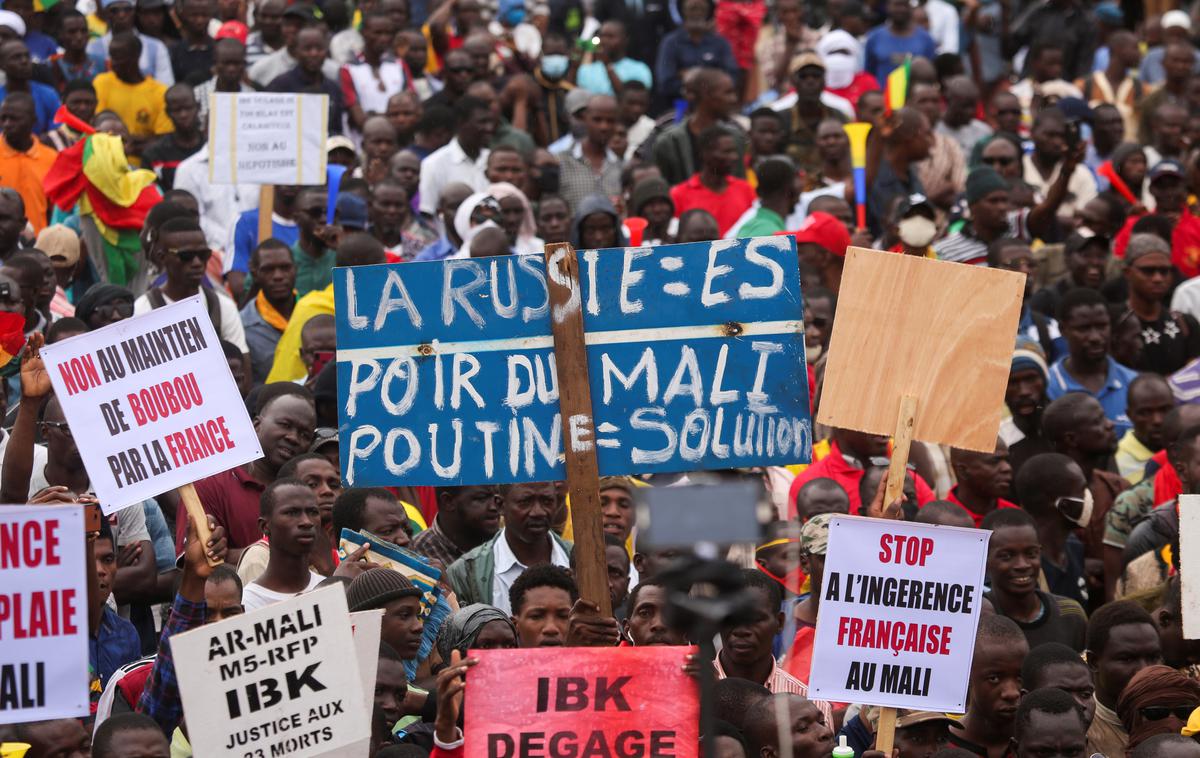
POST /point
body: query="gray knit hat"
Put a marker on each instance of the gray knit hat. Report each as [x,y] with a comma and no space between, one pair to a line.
[371,589]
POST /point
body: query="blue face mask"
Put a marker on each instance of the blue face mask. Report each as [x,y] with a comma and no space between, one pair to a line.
[514,16]
[555,66]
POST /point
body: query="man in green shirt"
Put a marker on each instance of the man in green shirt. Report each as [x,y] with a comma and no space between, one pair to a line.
[314,260]
[777,197]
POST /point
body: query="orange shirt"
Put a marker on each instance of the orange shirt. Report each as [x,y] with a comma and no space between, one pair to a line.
[24,172]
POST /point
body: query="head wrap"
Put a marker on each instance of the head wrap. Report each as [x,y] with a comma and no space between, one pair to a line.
[462,217]
[1154,685]
[527,239]
[1124,152]
[463,627]
[98,295]
[983,181]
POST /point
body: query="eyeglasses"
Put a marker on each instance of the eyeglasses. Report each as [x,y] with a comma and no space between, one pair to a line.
[187,256]
[62,427]
[1160,712]
[459,69]
[999,160]
[819,322]
[1154,270]
[1008,112]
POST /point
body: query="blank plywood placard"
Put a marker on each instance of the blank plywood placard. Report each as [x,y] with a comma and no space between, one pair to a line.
[941,332]
[1189,545]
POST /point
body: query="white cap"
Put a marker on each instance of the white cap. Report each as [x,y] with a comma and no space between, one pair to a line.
[12,21]
[1176,19]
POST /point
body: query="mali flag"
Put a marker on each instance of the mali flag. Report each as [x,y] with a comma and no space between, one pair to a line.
[895,92]
[94,176]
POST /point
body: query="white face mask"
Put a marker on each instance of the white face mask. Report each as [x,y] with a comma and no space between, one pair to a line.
[839,71]
[813,354]
[917,231]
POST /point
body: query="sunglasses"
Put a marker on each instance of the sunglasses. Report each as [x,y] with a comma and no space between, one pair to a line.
[187,256]
[1154,270]
[1160,712]
[819,322]
[459,69]
[1009,112]
[999,160]
[123,308]
[1070,507]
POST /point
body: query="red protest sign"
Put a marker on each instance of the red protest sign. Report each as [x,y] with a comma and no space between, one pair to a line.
[583,702]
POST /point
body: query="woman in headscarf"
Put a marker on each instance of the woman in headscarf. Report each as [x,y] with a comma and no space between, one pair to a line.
[478,209]
[516,218]
[1129,162]
[1157,700]
[476,627]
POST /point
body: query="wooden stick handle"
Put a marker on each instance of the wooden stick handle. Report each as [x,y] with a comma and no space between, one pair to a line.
[266,205]
[195,511]
[885,736]
[900,447]
[575,404]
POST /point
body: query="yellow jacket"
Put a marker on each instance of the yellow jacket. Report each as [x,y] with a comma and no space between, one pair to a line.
[288,366]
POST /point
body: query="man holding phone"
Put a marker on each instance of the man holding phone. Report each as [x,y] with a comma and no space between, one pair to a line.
[1058,148]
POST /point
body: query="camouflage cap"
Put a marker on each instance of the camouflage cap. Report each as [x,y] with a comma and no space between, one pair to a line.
[814,537]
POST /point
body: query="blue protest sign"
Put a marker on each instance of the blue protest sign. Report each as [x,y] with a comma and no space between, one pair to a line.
[446,371]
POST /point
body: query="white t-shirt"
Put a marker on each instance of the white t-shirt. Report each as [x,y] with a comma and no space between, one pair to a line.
[255,596]
[231,321]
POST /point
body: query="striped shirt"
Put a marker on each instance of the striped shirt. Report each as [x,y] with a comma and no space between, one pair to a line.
[964,247]
[781,681]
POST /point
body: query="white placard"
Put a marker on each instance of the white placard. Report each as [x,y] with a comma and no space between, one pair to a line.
[1189,544]
[281,680]
[368,628]
[43,613]
[151,403]
[267,138]
[899,610]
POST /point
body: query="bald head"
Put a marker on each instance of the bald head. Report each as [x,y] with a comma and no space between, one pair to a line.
[821,495]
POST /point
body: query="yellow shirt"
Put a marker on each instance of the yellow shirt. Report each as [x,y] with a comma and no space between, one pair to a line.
[289,366]
[142,106]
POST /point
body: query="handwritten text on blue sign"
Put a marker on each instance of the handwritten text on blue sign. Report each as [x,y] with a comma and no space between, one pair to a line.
[446,370]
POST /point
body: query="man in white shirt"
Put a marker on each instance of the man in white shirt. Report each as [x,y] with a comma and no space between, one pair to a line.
[181,250]
[486,573]
[290,519]
[220,204]
[1051,141]
[464,158]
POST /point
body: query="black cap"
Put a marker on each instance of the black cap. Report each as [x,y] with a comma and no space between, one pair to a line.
[304,12]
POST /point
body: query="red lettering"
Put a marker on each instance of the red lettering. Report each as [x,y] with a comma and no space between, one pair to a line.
[900,548]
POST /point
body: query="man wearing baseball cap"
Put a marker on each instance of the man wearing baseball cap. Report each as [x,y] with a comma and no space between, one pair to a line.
[814,540]
[821,242]
[1176,29]
[806,106]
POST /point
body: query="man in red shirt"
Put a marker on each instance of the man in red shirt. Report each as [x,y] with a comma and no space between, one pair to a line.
[982,479]
[714,188]
[850,454]
[285,422]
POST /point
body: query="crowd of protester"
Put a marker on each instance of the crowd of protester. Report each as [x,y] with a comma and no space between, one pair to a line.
[1055,138]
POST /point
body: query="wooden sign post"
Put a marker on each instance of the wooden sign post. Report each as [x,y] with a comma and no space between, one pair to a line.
[898,361]
[575,402]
